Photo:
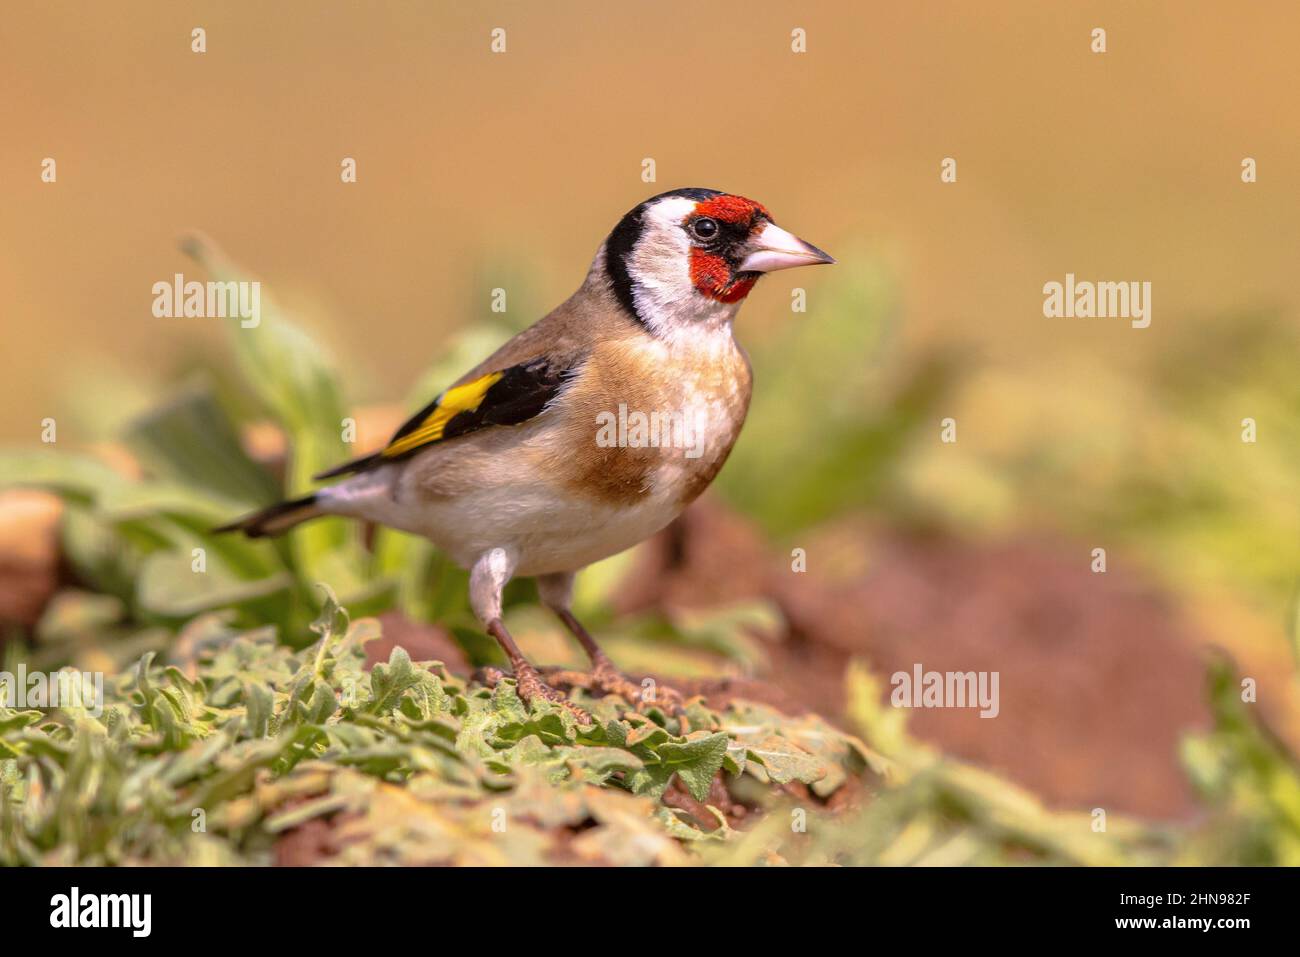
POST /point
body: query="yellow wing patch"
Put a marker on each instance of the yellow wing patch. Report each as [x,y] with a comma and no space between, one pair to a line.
[463,398]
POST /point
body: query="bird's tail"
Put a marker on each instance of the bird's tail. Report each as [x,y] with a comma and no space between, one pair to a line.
[277,519]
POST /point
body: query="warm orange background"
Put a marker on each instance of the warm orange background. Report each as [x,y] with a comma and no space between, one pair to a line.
[1121,166]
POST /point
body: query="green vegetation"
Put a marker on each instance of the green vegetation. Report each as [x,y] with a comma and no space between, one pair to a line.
[221,757]
[213,759]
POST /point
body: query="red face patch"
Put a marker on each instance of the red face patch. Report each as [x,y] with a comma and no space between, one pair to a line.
[729,209]
[712,276]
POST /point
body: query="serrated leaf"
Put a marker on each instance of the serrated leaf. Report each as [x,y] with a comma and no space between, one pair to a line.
[696,761]
[785,762]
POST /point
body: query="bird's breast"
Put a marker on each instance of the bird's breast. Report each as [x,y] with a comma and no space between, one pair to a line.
[654,422]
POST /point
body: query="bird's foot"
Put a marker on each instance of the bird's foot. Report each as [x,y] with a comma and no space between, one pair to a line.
[649,693]
[530,686]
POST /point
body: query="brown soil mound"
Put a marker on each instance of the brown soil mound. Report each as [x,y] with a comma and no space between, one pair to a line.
[1099,676]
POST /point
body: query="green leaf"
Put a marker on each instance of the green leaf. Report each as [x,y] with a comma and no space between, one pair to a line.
[389,682]
[785,762]
[333,620]
[69,473]
[696,760]
[190,439]
[169,585]
[259,706]
[320,709]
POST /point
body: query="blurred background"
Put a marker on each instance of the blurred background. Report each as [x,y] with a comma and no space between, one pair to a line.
[478,170]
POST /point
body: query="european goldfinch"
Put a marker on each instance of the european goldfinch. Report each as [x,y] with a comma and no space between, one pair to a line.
[587,432]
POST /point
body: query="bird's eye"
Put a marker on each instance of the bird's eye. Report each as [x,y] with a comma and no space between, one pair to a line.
[704,228]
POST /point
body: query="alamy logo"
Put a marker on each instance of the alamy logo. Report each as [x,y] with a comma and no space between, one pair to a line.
[134,911]
[208,300]
[946,689]
[55,689]
[1098,300]
[667,429]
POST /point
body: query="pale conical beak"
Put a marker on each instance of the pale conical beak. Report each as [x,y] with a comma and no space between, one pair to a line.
[773,248]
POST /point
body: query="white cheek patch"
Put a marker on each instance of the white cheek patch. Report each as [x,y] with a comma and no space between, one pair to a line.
[660,261]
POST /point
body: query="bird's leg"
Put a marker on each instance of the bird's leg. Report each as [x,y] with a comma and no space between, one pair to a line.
[486,580]
[528,681]
[556,591]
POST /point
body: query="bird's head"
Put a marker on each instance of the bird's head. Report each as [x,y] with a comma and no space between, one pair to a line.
[690,256]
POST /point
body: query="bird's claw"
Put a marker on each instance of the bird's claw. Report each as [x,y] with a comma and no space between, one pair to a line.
[530,686]
[608,679]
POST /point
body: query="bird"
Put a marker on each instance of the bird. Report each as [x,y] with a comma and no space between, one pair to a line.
[587,432]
